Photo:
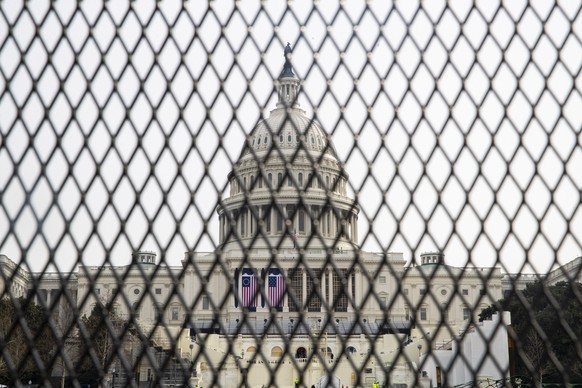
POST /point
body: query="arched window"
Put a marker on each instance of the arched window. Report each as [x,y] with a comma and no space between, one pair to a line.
[251,349]
[279,179]
[276,352]
[267,218]
[301,220]
[300,178]
[281,138]
[136,310]
[350,350]
[270,179]
[327,353]
[259,141]
[301,353]
[445,312]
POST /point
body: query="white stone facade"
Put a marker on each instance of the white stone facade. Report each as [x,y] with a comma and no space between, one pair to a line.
[288,285]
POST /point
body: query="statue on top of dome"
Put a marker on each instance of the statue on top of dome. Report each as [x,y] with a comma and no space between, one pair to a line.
[287,67]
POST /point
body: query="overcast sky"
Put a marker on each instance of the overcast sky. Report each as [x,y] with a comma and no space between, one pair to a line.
[468,119]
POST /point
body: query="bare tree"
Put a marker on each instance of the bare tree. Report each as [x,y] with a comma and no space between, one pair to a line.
[109,338]
[536,350]
[64,314]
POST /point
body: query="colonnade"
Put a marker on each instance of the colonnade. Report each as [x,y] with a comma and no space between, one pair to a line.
[247,220]
[300,283]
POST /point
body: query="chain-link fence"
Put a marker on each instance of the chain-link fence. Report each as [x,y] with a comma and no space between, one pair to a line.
[315,162]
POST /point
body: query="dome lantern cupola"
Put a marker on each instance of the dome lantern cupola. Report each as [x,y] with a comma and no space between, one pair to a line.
[288,83]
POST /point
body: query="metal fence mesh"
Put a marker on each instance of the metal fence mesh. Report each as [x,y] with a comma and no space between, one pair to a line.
[308,183]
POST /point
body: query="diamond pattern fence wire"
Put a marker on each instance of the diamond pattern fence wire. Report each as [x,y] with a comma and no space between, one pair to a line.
[290,194]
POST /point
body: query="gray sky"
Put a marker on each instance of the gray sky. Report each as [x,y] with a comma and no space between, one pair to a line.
[468,119]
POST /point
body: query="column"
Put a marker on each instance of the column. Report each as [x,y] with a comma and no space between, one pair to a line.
[359,288]
[350,285]
[304,288]
[330,285]
[285,274]
[323,286]
[221,228]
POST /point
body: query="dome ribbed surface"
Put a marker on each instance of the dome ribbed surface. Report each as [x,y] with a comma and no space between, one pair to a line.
[289,129]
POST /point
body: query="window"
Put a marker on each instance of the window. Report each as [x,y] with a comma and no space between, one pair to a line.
[276,352]
[295,289]
[289,180]
[98,291]
[260,182]
[465,291]
[466,313]
[300,178]
[279,221]
[382,279]
[289,138]
[301,217]
[270,179]
[445,312]
[279,179]
[423,315]
[382,301]
[205,303]
[158,291]
[136,310]
[301,353]
[407,313]
[258,140]
[281,138]
[267,218]
[175,313]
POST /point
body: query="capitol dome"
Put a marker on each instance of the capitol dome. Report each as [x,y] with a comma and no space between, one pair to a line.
[288,186]
[290,129]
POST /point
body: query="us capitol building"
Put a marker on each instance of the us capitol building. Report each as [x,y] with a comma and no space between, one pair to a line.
[288,294]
